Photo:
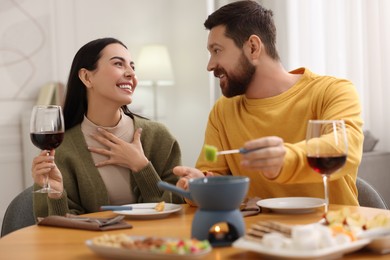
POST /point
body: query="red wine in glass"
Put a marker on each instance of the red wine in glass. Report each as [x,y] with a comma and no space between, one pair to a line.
[326,149]
[47,140]
[47,132]
[327,164]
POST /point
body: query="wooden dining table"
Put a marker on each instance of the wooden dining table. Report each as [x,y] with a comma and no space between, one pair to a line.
[55,243]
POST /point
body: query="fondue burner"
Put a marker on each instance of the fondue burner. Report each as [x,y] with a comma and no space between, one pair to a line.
[218,199]
[204,220]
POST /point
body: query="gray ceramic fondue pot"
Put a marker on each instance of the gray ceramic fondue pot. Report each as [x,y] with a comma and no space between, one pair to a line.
[218,199]
[213,193]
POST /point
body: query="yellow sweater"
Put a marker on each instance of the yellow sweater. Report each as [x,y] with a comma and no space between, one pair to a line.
[234,121]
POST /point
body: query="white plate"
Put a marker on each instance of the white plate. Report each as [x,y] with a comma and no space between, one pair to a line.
[147,211]
[334,252]
[292,205]
[123,253]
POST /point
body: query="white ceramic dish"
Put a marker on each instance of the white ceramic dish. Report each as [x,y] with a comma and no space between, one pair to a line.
[334,252]
[292,205]
[380,240]
[380,245]
[147,211]
[123,253]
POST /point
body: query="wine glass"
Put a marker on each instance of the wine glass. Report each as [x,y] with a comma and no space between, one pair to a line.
[47,132]
[327,147]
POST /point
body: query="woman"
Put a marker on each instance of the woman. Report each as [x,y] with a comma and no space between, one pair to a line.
[109,155]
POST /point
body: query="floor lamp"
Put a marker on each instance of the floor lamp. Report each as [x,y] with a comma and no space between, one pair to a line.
[154,68]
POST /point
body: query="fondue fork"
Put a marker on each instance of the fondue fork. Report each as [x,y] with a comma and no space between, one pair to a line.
[109,207]
[211,152]
[158,207]
[116,208]
[241,150]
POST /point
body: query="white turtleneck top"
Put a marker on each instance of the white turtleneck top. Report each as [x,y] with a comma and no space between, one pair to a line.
[116,178]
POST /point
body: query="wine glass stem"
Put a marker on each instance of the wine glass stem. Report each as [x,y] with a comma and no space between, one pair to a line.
[325,180]
[46,185]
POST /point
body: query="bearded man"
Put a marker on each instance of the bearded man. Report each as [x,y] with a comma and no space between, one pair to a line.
[266,108]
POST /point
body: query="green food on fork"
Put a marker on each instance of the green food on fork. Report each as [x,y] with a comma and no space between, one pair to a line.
[211,152]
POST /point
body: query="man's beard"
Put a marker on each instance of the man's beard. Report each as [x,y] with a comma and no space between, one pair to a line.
[238,84]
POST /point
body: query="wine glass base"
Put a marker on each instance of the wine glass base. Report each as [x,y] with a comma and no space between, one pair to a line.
[46,190]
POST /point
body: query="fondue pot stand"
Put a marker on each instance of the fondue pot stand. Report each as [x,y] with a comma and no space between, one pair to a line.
[218,199]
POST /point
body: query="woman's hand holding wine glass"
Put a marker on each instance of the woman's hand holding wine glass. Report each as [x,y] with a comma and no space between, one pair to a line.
[45,170]
[47,132]
[327,147]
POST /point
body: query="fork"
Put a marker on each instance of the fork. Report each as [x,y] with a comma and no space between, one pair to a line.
[101,223]
[111,221]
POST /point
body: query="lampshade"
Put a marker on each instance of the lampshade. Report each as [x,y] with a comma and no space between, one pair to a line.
[154,64]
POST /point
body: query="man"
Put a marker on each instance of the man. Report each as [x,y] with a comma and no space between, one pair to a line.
[264,106]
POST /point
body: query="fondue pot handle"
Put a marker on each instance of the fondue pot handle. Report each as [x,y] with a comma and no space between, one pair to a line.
[167,186]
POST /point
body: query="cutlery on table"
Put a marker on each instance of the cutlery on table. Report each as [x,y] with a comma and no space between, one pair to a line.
[118,208]
[100,221]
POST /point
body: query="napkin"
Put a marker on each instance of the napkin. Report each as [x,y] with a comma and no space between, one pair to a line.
[249,207]
[87,223]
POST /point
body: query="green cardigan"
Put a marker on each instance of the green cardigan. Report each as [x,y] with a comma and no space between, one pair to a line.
[84,189]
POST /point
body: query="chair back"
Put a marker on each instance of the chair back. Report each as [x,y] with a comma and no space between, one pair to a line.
[19,212]
[368,196]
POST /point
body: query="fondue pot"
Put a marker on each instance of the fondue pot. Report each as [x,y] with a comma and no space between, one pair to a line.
[213,193]
[218,199]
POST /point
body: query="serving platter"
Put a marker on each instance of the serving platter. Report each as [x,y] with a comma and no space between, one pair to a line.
[111,252]
[334,252]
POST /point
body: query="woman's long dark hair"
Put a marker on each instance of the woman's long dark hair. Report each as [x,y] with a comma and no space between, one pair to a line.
[76,103]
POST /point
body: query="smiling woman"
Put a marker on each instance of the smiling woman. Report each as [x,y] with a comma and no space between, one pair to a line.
[124,155]
[183,106]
